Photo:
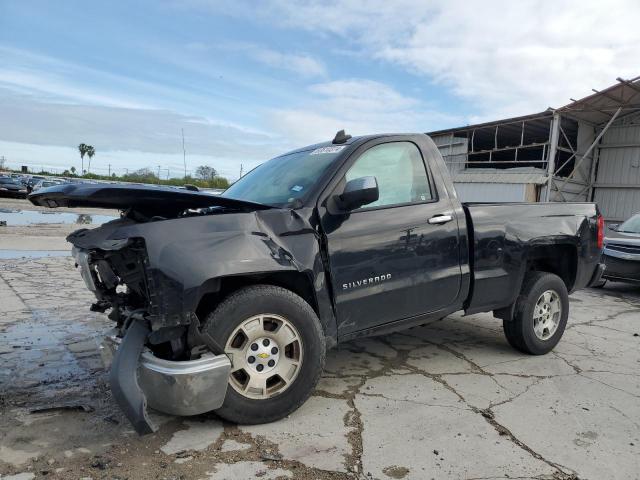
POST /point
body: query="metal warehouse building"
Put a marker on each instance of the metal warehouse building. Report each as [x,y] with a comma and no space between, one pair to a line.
[588,150]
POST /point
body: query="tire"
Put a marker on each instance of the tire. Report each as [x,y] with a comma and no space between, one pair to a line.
[521,329]
[259,307]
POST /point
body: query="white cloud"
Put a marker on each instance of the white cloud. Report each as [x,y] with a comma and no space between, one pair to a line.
[126,137]
[304,65]
[506,57]
[358,105]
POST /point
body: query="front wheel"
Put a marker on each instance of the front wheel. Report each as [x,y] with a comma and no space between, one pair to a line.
[541,314]
[277,349]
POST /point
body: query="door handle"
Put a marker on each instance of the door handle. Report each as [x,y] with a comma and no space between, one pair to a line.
[440,219]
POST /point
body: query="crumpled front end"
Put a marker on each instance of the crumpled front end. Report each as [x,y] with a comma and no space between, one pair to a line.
[156,358]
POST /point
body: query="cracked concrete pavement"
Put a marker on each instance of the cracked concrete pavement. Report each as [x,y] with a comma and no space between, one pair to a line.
[449,399]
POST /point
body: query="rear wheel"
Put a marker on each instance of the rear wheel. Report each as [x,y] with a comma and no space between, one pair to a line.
[541,314]
[277,349]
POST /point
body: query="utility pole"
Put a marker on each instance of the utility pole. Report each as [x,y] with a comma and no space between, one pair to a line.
[109,169]
[159,174]
[184,155]
[240,170]
[167,174]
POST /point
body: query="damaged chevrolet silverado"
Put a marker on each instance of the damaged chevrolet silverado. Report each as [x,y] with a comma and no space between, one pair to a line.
[228,303]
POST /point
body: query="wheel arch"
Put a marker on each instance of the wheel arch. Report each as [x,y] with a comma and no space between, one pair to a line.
[219,288]
[559,259]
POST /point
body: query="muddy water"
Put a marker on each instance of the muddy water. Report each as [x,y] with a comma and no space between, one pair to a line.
[50,352]
[15,254]
[33,217]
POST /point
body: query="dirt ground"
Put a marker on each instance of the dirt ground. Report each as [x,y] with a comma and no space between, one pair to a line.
[446,400]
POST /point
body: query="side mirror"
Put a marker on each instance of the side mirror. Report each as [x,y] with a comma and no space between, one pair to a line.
[613,227]
[359,192]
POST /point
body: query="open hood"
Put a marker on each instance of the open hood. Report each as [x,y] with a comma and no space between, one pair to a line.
[146,199]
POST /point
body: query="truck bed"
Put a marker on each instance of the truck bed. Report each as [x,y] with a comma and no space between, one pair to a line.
[506,238]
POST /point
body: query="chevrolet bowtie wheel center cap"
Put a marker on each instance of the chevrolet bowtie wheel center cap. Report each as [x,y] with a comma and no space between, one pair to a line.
[262,355]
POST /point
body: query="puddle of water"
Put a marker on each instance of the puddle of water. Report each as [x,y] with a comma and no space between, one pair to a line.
[32,217]
[13,254]
[38,356]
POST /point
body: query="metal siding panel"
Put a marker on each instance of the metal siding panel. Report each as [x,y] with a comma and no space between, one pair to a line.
[619,166]
[491,192]
[453,151]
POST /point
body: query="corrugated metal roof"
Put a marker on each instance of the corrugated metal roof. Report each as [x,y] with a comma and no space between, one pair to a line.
[599,107]
[494,175]
[596,109]
[534,116]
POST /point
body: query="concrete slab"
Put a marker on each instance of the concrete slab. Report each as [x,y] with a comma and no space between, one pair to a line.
[198,436]
[314,435]
[579,422]
[435,435]
[231,445]
[249,470]
[19,476]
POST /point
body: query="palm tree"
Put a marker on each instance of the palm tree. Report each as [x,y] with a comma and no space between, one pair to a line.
[82,148]
[90,153]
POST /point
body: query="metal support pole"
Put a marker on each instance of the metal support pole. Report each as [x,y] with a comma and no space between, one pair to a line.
[592,146]
[592,175]
[551,155]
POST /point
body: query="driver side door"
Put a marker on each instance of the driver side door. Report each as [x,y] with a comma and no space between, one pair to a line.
[396,257]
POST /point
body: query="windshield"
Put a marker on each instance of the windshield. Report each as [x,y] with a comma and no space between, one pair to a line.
[632,225]
[7,180]
[283,180]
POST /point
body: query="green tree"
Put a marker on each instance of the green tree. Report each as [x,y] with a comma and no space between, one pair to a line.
[73,170]
[143,175]
[205,172]
[90,153]
[82,148]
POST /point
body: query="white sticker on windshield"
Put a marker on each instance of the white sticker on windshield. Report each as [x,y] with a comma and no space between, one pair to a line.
[297,188]
[320,150]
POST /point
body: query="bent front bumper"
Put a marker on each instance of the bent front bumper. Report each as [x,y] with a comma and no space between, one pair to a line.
[175,387]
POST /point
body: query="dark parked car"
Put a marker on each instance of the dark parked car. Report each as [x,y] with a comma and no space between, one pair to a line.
[622,252]
[12,188]
[229,302]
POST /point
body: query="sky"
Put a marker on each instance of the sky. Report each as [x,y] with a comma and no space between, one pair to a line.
[248,80]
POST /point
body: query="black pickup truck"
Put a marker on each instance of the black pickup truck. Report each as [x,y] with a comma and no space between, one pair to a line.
[229,302]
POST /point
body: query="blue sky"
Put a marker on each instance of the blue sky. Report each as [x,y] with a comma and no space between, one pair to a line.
[248,80]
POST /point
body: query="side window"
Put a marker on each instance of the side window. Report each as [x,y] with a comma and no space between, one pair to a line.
[400,172]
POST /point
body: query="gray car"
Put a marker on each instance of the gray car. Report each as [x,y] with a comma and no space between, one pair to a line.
[622,251]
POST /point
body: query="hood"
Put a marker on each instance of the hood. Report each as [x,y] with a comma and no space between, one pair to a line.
[146,199]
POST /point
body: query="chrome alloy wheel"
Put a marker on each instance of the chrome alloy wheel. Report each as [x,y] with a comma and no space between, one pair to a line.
[266,356]
[546,315]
